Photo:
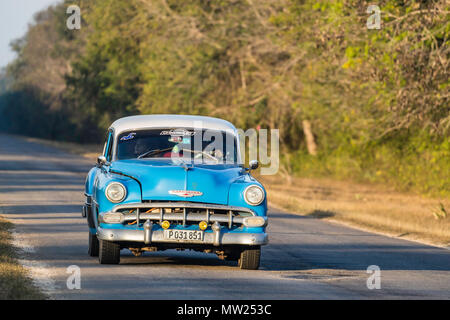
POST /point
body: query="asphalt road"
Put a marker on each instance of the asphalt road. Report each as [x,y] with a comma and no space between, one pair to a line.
[41,192]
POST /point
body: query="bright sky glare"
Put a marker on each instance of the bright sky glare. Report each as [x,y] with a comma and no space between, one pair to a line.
[15,15]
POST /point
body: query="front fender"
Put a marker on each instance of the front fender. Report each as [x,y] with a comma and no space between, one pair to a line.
[134,192]
[236,195]
[90,179]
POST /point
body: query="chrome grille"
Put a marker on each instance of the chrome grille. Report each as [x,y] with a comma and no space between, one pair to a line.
[184,213]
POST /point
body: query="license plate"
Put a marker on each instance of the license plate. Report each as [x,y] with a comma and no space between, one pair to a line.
[183,235]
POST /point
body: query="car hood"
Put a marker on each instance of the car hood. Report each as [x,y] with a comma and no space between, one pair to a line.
[159,179]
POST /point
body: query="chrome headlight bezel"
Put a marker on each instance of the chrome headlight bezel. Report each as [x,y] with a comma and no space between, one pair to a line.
[256,203]
[112,185]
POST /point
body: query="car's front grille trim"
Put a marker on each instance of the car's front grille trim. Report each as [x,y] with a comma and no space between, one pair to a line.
[180,204]
[142,211]
[191,217]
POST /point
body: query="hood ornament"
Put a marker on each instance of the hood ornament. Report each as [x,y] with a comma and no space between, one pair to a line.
[185,193]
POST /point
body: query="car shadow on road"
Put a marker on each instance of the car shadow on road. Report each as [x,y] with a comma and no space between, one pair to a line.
[175,259]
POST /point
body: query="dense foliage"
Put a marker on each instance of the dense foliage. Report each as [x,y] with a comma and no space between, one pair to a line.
[377,101]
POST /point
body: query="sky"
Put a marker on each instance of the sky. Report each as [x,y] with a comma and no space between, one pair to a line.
[15,15]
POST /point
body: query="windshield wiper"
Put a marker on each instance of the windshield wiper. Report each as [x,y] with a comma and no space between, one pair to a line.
[157,151]
[202,152]
[153,152]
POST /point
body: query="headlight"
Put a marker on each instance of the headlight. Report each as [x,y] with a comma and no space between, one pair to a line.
[254,195]
[115,192]
[254,221]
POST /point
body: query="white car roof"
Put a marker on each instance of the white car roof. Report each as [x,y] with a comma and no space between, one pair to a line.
[170,121]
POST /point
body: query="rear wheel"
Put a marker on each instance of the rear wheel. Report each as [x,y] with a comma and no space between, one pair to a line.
[93,245]
[250,258]
[109,252]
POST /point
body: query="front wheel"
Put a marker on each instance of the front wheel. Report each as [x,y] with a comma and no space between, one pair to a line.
[250,258]
[93,245]
[109,252]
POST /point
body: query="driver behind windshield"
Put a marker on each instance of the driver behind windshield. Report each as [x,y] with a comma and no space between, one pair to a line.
[140,147]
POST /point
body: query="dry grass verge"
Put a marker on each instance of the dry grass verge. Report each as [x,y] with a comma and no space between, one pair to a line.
[14,281]
[371,207]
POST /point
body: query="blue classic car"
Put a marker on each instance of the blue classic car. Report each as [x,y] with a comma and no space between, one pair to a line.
[174,182]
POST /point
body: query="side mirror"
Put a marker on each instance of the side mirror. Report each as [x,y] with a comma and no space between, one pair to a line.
[101,160]
[253,164]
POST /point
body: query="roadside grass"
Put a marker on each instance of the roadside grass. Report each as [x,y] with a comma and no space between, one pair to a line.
[416,163]
[15,283]
[372,207]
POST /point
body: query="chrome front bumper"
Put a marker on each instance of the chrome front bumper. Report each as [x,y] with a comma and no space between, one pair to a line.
[157,236]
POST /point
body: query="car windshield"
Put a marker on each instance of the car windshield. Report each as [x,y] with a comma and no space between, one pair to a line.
[199,146]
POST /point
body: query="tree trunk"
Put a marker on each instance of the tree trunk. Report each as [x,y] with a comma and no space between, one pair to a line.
[309,137]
